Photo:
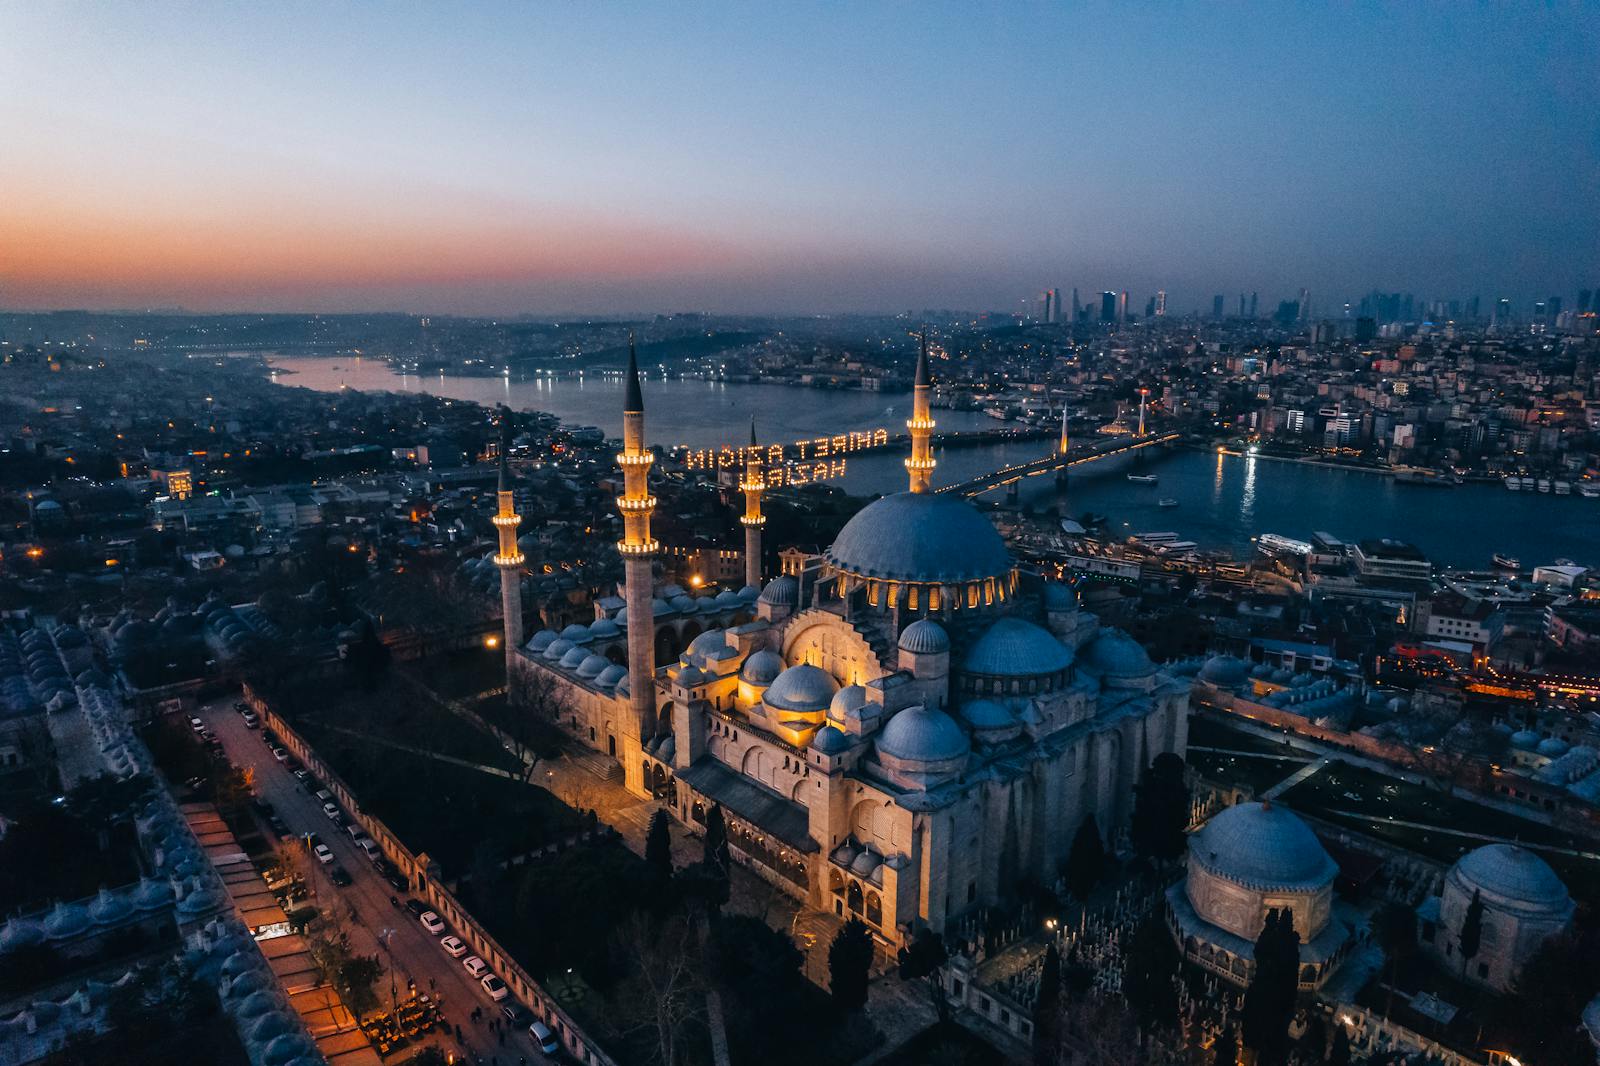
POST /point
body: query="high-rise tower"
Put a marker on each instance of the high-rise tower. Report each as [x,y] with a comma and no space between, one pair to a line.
[753,485]
[509,558]
[920,425]
[638,550]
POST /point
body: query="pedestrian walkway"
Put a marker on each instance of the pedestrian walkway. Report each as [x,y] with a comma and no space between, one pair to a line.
[1295,778]
[425,753]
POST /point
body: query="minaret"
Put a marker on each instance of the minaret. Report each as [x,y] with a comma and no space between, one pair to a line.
[1143,395]
[638,550]
[1063,447]
[920,465]
[753,485]
[509,559]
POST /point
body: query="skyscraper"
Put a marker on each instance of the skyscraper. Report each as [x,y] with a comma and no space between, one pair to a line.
[1077,307]
[1252,305]
[1122,306]
[1216,306]
[1305,304]
[1108,306]
[1241,305]
[1161,303]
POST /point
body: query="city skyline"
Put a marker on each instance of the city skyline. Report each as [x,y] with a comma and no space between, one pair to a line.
[508,161]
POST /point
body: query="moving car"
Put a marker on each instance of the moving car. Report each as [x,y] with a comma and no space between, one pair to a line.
[431,922]
[475,966]
[495,987]
[323,853]
[453,946]
[544,1038]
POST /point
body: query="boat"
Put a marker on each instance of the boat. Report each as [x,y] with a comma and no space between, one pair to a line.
[1544,484]
[1071,528]
[1416,475]
[996,412]
[1507,562]
[1591,489]
[1167,501]
[1563,488]
[1155,538]
[1143,479]
[1514,483]
[1273,544]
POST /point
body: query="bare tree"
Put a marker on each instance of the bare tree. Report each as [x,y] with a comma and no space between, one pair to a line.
[666,986]
[536,701]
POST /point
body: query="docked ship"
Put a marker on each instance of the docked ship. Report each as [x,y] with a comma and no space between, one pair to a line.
[1507,562]
[1416,475]
[1516,484]
[1273,544]
[1590,489]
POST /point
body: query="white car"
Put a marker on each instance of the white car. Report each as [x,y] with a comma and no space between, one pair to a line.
[196,724]
[331,810]
[323,853]
[475,966]
[495,987]
[431,922]
[544,1038]
[453,946]
[281,754]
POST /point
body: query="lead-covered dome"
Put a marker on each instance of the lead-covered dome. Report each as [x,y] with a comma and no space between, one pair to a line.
[1512,875]
[1263,846]
[923,735]
[924,637]
[762,667]
[1114,654]
[920,537]
[804,688]
[1013,647]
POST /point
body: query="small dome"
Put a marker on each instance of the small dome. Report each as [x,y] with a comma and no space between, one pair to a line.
[987,714]
[684,604]
[611,675]
[573,658]
[109,909]
[1016,648]
[576,633]
[749,594]
[1114,654]
[557,648]
[1225,671]
[781,591]
[690,676]
[1526,739]
[1552,746]
[727,599]
[1261,844]
[920,537]
[846,702]
[541,640]
[829,741]
[1510,874]
[66,921]
[710,642]
[804,688]
[923,734]
[19,933]
[846,854]
[152,895]
[257,1004]
[924,637]
[865,863]
[761,667]
[1059,596]
[603,627]
[592,666]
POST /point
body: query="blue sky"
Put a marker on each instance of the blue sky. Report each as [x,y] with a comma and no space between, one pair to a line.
[742,157]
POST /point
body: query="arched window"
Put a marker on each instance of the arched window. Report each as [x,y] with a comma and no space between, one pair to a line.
[874,908]
[853,897]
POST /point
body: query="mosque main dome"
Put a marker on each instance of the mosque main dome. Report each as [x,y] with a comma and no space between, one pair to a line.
[920,537]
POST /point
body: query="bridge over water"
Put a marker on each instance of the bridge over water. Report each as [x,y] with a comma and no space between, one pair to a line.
[1009,477]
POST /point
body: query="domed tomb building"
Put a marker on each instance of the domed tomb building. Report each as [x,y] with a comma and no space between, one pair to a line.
[1248,860]
[900,728]
[1524,903]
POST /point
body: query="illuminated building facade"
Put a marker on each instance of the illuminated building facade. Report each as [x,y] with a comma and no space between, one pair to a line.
[899,728]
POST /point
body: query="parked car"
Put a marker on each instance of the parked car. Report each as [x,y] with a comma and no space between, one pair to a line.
[475,966]
[495,987]
[339,876]
[453,946]
[196,724]
[281,754]
[397,881]
[331,810]
[356,833]
[269,738]
[369,848]
[515,1014]
[543,1037]
[323,853]
[251,720]
[303,776]
[241,706]
[416,907]
[324,796]
[276,825]
[431,922]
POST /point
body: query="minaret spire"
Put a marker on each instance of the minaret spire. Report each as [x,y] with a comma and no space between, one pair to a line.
[637,550]
[753,484]
[508,559]
[920,425]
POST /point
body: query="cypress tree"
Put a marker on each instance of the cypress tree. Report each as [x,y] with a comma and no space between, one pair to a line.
[849,965]
[1086,862]
[658,846]
[1047,1011]
[1471,930]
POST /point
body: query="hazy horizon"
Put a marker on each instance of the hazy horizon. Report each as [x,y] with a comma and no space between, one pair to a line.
[505,160]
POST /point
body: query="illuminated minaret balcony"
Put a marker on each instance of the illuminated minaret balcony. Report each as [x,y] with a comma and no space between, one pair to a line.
[636,504]
[635,459]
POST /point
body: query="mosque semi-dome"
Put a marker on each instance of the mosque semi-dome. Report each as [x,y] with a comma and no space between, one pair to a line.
[804,688]
[847,701]
[987,714]
[1114,654]
[920,537]
[1263,845]
[1014,647]
[923,734]
[781,591]
[762,667]
[924,637]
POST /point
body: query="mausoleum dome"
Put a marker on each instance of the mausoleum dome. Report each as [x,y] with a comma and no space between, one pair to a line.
[1264,846]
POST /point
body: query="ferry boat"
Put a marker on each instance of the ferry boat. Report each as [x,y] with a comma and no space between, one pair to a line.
[1273,544]
[1563,488]
[1507,562]
[1514,483]
[1143,479]
[996,412]
[1167,501]
[1590,489]
[1150,539]
[1544,484]
[1416,475]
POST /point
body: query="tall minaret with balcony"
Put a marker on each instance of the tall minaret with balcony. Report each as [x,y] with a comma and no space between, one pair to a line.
[920,425]
[509,558]
[638,550]
[1064,446]
[753,484]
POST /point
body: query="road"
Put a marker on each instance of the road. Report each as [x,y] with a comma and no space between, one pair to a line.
[376,927]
